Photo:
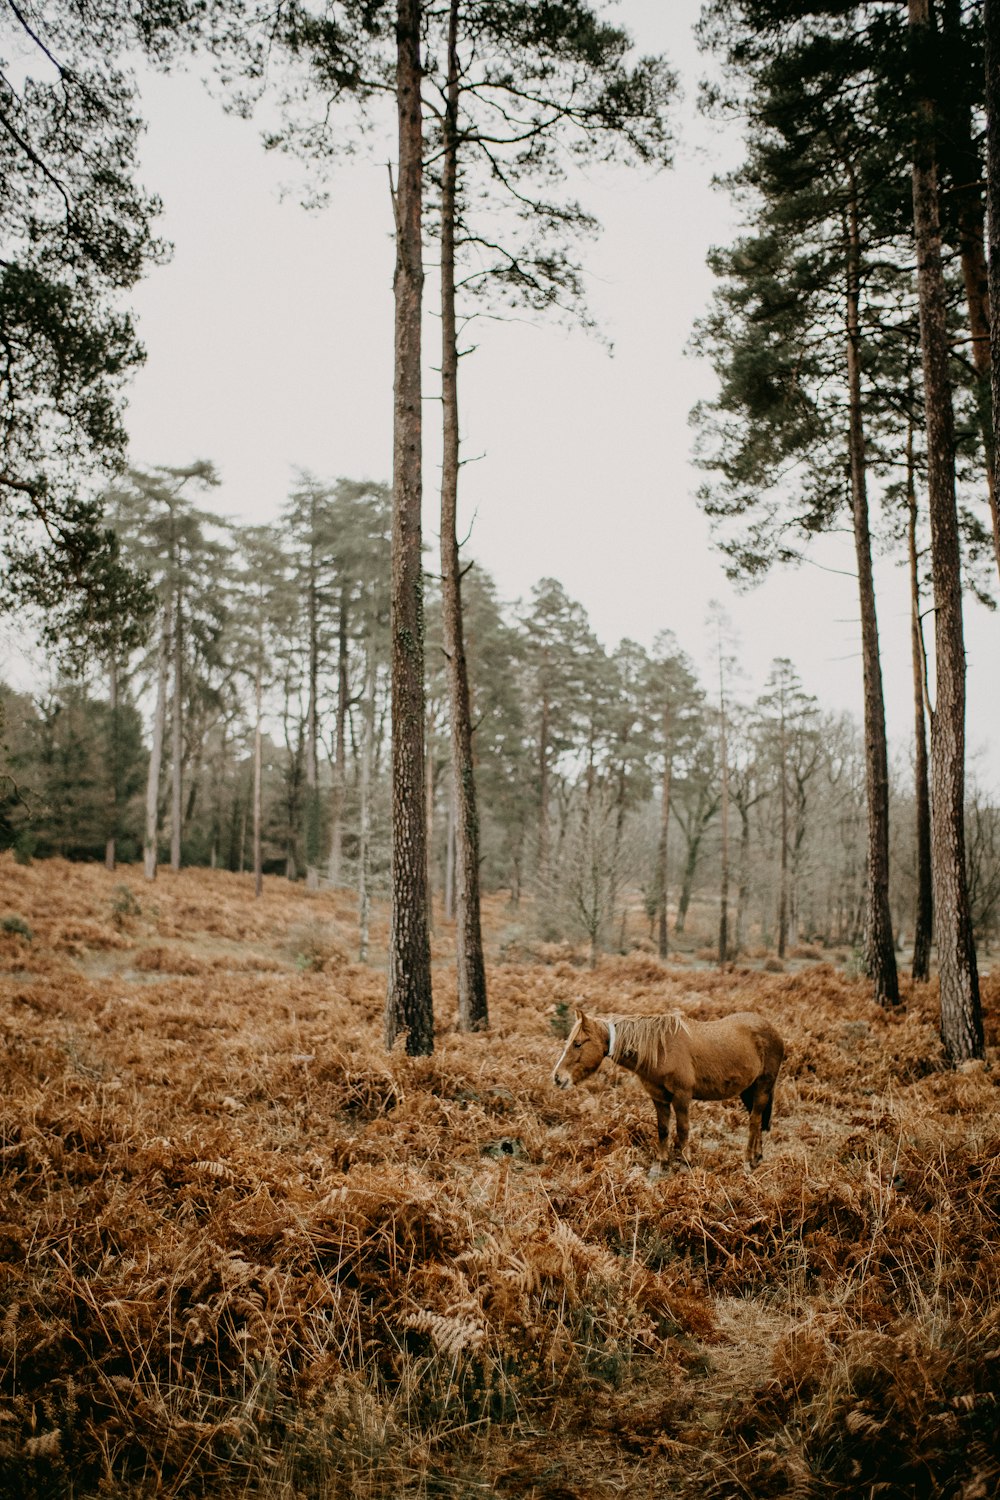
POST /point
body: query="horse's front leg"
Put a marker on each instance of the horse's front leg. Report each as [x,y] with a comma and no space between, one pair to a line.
[681,1105]
[659,1166]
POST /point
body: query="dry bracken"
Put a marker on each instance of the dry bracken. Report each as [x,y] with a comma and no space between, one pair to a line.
[244,1252]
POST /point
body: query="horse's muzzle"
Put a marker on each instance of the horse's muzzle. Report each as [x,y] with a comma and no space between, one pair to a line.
[560,1080]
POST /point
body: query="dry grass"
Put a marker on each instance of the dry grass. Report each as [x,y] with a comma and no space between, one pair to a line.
[244,1252]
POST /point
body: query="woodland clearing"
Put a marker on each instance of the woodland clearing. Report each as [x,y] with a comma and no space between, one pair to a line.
[244,1251]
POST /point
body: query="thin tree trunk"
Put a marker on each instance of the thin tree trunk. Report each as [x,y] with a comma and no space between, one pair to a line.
[923,917]
[961,1014]
[783,876]
[177,739]
[312,717]
[473,1011]
[429,791]
[151,839]
[409,996]
[364,792]
[339,789]
[258,856]
[114,767]
[616,846]
[662,866]
[991,26]
[743,887]
[966,171]
[449,861]
[687,882]
[543,792]
[880,956]
[724,814]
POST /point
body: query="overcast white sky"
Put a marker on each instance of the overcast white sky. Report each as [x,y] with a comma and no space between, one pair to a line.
[269,338]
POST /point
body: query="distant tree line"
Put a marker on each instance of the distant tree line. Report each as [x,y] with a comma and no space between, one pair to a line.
[252,733]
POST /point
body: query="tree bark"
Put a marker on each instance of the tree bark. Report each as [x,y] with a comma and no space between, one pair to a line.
[543,791]
[364,790]
[724,816]
[743,884]
[880,955]
[449,862]
[312,714]
[114,766]
[661,873]
[430,787]
[783,873]
[177,733]
[961,1015]
[409,997]
[339,789]
[151,840]
[693,837]
[923,916]
[258,861]
[991,24]
[473,1012]
[966,171]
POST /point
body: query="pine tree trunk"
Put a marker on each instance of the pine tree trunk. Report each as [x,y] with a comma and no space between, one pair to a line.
[724,815]
[151,838]
[473,1012]
[923,917]
[662,866]
[114,767]
[364,790]
[743,887]
[614,877]
[449,862]
[429,791]
[880,956]
[966,170]
[258,778]
[409,997]
[783,875]
[543,792]
[991,25]
[312,719]
[961,1015]
[339,789]
[687,882]
[177,738]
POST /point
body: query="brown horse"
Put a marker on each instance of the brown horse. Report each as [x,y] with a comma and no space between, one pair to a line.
[677,1060]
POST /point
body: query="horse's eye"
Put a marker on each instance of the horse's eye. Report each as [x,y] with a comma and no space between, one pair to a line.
[577,1046]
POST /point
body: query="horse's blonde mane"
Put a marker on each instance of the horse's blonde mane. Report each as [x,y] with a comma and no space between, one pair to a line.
[645,1037]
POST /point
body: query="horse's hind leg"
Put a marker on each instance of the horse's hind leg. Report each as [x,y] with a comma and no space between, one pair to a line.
[759,1104]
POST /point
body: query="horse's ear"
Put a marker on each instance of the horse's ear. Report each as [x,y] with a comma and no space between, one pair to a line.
[579,1013]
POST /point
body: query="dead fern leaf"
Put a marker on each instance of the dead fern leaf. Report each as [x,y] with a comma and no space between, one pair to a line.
[449,1335]
[45,1445]
[216,1169]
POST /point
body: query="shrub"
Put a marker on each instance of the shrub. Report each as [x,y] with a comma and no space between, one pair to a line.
[17,926]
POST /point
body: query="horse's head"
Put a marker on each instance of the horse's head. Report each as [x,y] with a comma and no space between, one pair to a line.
[585,1050]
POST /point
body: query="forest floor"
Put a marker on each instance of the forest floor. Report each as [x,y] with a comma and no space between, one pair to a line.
[244,1251]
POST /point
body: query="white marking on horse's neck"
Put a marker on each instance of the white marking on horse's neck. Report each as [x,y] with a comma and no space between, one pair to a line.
[612,1037]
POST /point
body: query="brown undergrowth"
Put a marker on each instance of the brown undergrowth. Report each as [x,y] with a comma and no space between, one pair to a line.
[245,1252]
